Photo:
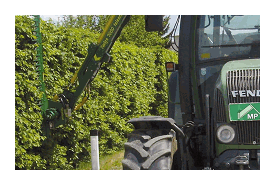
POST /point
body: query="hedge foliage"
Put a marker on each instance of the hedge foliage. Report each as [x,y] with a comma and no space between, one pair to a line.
[132,84]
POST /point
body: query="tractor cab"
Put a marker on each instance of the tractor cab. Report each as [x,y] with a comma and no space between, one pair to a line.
[216,87]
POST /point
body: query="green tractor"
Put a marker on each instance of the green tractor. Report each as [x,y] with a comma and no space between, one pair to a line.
[214,100]
[214,95]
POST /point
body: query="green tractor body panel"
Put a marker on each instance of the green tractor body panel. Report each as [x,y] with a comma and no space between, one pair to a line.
[220,148]
[233,66]
[240,88]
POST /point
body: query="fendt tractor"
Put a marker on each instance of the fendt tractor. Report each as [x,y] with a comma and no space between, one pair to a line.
[214,96]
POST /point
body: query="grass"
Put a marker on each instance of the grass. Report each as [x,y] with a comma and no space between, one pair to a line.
[109,162]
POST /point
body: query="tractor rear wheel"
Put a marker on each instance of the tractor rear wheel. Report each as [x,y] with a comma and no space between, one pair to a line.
[150,150]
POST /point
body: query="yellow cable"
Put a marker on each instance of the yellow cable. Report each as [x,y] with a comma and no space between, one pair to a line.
[74,77]
[55,98]
[106,28]
[81,104]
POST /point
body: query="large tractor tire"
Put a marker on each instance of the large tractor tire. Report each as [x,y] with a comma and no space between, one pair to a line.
[150,150]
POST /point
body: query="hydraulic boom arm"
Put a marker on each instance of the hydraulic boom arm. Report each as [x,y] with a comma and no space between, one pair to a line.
[97,54]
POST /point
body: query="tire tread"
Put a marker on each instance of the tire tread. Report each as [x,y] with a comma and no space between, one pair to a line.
[145,148]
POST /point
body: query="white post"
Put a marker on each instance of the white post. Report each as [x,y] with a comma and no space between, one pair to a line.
[94,149]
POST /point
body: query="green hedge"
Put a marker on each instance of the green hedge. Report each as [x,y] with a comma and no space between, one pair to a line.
[132,84]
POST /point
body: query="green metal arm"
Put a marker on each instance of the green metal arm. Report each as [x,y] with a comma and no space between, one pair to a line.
[97,54]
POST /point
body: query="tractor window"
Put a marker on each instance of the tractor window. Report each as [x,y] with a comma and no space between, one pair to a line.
[228,36]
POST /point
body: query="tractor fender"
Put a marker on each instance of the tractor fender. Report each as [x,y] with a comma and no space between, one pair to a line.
[156,122]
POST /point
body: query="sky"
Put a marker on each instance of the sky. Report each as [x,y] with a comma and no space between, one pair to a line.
[172,21]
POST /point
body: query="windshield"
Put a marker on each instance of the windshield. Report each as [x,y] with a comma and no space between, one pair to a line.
[229,36]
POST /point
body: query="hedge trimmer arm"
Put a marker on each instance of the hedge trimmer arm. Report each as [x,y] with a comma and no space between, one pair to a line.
[62,105]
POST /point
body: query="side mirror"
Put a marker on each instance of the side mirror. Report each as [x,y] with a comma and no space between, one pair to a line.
[153,23]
